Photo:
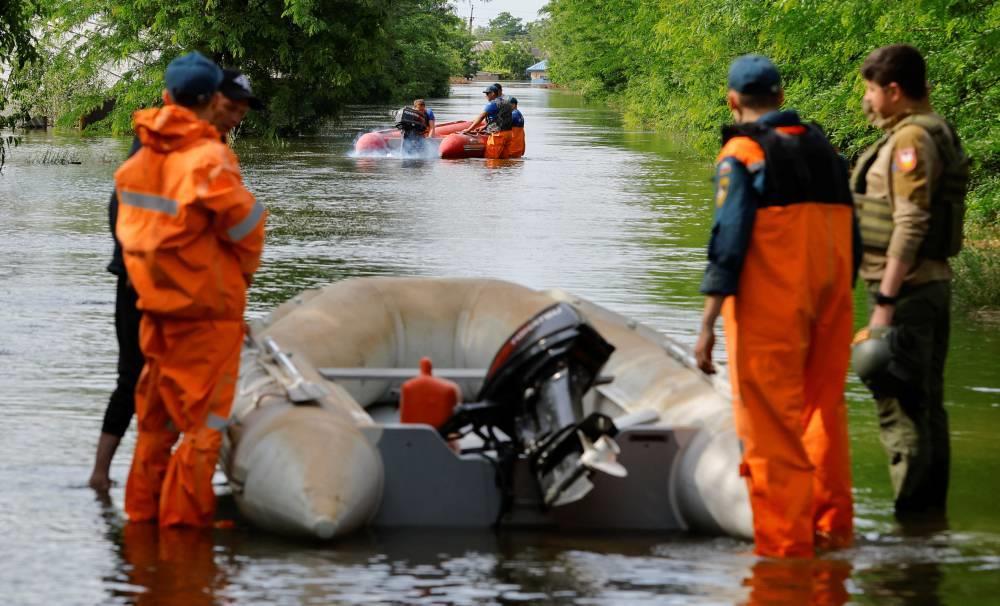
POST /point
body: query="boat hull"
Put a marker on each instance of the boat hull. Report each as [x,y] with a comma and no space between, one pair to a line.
[380,142]
[325,463]
[457,146]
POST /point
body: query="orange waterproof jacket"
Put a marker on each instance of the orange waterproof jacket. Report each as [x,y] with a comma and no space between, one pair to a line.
[190,231]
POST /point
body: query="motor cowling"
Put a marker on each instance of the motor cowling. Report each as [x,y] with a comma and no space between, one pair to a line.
[533,393]
[410,120]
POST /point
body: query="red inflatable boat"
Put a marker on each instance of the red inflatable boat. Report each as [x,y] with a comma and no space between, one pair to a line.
[380,141]
[458,145]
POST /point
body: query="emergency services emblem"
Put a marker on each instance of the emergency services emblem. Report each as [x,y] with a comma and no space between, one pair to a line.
[721,191]
[906,159]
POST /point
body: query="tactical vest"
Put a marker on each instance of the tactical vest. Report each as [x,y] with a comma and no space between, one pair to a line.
[504,120]
[800,168]
[944,233]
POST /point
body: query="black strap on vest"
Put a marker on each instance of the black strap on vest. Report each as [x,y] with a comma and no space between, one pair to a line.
[799,168]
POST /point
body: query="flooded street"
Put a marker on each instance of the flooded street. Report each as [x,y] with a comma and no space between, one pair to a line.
[618,217]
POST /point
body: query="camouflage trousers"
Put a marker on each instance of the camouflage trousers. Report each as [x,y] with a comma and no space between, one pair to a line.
[913,425]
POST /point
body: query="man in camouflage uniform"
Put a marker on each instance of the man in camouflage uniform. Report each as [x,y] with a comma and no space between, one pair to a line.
[909,193]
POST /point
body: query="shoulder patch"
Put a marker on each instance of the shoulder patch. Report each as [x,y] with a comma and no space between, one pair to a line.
[722,189]
[905,159]
[725,168]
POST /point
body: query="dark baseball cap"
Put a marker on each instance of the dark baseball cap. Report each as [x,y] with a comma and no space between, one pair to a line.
[192,79]
[512,100]
[236,86]
[492,88]
[754,75]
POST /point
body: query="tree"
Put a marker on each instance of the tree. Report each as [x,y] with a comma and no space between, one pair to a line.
[17,47]
[508,59]
[505,26]
[308,59]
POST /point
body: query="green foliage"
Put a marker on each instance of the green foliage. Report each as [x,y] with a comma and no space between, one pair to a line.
[305,57]
[505,26]
[977,269]
[508,59]
[17,47]
[429,44]
[665,62]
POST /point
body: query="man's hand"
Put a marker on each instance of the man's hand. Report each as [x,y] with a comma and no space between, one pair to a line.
[706,339]
[882,316]
[703,350]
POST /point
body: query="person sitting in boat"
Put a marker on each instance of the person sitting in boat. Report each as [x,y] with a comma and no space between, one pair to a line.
[517,130]
[499,121]
[421,106]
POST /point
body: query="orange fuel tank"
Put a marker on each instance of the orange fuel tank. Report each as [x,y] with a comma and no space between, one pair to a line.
[428,399]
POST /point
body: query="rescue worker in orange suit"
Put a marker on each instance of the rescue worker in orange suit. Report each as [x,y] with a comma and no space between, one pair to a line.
[780,270]
[191,237]
[121,405]
[498,114]
[517,131]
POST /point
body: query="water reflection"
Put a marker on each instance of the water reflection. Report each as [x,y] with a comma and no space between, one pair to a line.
[170,566]
[818,582]
[619,216]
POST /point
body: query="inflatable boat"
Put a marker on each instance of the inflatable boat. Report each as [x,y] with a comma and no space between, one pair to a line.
[382,141]
[460,145]
[570,416]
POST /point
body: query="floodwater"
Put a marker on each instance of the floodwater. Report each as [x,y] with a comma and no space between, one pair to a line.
[616,216]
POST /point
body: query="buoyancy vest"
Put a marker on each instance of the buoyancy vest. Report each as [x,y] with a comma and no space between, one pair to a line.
[504,120]
[947,208]
[800,167]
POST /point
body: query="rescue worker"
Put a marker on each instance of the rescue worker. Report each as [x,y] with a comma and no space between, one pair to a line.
[780,271]
[121,405]
[191,237]
[517,130]
[499,121]
[910,196]
[421,105]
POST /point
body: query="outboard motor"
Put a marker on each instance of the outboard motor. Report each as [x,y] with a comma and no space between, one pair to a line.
[412,123]
[533,393]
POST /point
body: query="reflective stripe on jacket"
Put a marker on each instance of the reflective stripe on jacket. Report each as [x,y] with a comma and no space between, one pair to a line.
[190,231]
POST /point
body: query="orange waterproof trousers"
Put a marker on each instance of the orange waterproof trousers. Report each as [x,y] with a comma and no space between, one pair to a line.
[517,142]
[788,335]
[498,145]
[186,388]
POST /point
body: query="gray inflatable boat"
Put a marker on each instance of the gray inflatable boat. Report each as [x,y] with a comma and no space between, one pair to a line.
[572,416]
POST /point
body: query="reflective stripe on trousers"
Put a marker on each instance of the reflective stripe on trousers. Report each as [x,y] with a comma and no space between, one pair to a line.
[185,391]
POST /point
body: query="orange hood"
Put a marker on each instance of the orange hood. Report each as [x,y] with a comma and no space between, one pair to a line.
[170,128]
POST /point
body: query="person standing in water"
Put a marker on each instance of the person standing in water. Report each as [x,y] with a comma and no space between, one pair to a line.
[517,130]
[191,237]
[239,99]
[781,263]
[909,191]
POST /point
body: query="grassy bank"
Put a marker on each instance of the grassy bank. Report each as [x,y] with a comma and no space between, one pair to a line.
[977,270]
[664,65]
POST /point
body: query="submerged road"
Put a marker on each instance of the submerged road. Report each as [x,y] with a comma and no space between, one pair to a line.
[616,215]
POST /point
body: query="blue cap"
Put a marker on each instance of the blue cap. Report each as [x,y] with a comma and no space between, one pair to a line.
[512,100]
[492,88]
[754,75]
[192,79]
